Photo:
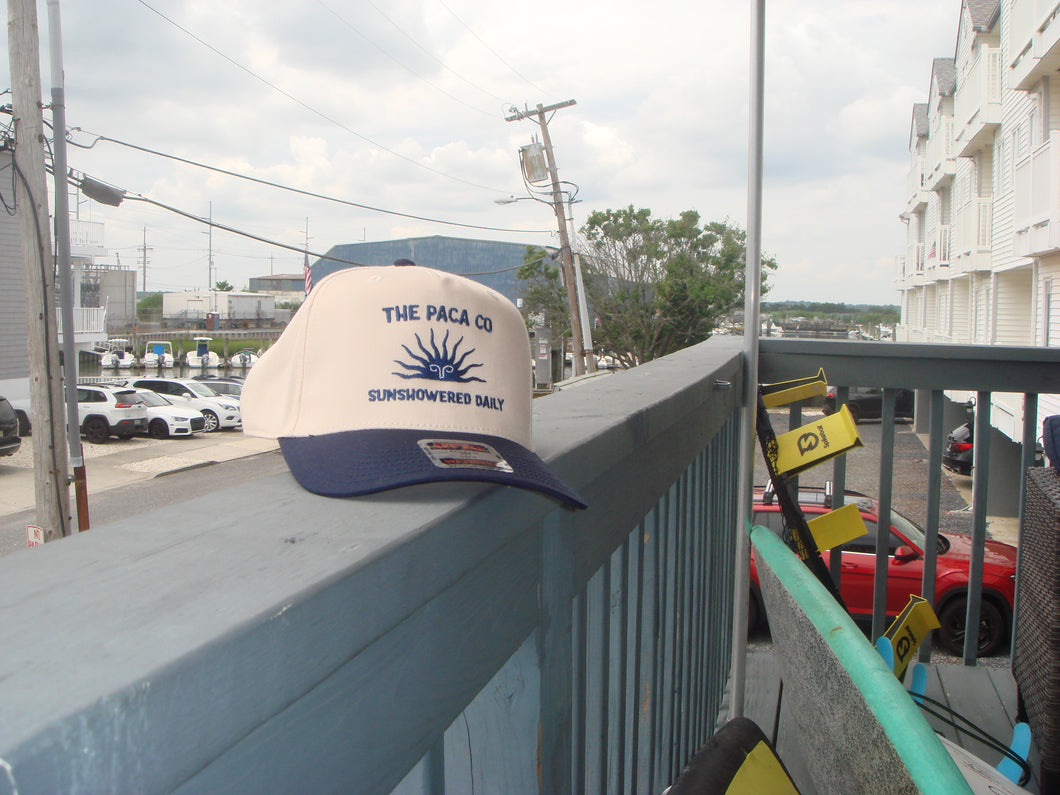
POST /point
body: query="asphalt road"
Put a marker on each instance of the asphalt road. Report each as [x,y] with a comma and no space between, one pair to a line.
[140,497]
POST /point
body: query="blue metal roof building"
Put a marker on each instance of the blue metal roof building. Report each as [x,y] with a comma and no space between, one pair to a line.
[489,262]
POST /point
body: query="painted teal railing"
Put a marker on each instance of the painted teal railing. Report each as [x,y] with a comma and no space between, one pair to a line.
[441,638]
[429,639]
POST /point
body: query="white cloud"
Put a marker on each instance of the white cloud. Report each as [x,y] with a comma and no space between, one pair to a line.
[406,112]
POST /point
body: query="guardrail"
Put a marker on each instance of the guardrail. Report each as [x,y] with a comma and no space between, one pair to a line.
[272,640]
[433,638]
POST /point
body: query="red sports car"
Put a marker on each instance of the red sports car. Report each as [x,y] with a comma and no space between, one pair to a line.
[905,568]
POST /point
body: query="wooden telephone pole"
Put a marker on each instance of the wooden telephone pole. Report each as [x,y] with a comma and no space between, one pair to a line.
[566,260]
[51,482]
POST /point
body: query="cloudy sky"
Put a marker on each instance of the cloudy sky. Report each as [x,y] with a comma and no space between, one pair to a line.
[400,105]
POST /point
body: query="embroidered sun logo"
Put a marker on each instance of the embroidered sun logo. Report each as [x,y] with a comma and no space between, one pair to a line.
[439,365]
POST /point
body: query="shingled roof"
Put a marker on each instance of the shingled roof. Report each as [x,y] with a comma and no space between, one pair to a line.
[984,14]
[944,73]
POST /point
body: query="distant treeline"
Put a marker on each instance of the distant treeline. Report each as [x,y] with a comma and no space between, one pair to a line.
[851,313]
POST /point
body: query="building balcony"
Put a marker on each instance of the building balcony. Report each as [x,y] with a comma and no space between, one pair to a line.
[260,638]
[977,105]
[1036,214]
[1034,42]
[90,324]
[940,159]
[972,238]
[917,192]
[938,251]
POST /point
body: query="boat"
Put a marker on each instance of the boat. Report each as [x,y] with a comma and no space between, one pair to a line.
[158,355]
[202,356]
[243,359]
[116,355]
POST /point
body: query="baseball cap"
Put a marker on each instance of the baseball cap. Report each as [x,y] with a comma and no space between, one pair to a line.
[390,376]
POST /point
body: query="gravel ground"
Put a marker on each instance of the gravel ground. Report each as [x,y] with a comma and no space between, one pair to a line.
[909,483]
[909,490]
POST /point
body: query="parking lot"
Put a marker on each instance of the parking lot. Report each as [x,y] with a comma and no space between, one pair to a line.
[116,463]
[909,489]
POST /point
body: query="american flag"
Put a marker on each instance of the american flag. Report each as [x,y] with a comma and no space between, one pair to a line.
[308,274]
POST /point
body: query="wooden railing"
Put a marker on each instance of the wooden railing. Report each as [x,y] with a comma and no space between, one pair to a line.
[435,638]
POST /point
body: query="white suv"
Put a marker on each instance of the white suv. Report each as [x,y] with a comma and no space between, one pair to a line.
[104,410]
[220,411]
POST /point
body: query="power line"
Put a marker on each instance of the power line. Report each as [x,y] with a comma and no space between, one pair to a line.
[404,66]
[214,224]
[277,185]
[497,55]
[300,250]
[310,108]
[431,55]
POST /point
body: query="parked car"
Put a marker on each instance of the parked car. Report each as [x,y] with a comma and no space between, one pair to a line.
[104,411]
[222,384]
[960,448]
[10,441]
[165,419]
[905,568]
[220,411]
[866,403]
[960,445]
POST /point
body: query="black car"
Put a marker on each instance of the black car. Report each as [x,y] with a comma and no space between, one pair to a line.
[960,448]
[10,441]
[960,445]
[866,403]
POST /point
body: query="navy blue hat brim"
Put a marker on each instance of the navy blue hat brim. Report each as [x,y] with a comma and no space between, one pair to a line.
[353,463]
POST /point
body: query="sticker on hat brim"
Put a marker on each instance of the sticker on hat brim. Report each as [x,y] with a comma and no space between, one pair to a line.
[458,454]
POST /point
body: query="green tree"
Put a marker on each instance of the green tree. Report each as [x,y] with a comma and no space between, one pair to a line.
[149,302]
[224,287]
[149,307]
[545,301]
[656,286]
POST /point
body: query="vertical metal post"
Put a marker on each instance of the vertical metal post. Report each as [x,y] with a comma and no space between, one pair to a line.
[751,313]
[934,485]
[883,519]
[980,481]
[62,250]
[1030,437]
[839,495]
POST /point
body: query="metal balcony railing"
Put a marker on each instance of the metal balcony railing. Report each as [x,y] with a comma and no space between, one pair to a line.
[437,638]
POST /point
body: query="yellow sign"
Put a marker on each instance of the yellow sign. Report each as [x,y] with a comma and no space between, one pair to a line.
[784,392]
[908,631]
[836,527]
[814,443]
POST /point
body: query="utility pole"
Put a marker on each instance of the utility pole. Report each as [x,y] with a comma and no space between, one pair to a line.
[51,481]
[566,259]
[143,261]
[209,263]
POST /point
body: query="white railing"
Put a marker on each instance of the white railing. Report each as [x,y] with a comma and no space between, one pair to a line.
[973,227]
[980,90]
[940,151]
[915,181]
[88,320]
[1021,17]
[88,234]
[943,238]
[914,260]
[984,224]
